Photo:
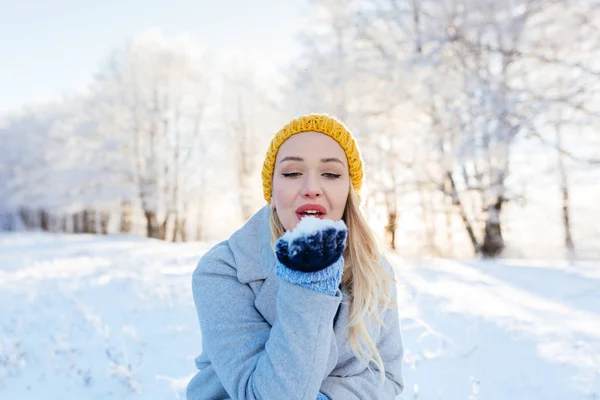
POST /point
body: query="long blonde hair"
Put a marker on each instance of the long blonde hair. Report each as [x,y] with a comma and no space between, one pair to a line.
[369,284]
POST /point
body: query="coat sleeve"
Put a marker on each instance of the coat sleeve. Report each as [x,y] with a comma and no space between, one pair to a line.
[366,385]
[252,359]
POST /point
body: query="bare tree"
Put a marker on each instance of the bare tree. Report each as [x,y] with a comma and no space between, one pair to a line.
[157,93]
[469,63]
[251,118]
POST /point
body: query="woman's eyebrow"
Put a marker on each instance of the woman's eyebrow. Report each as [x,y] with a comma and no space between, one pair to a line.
[291,159]
[332,159]
[323,160]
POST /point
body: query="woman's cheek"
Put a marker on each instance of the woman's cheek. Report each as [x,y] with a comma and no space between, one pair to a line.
[283,198]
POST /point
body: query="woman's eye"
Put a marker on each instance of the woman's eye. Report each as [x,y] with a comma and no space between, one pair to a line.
[291,174]
[329,175]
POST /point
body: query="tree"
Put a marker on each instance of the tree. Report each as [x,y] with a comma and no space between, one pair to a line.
[154,95]
[251,117]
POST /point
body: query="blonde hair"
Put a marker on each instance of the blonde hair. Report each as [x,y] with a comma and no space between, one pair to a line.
[369,284]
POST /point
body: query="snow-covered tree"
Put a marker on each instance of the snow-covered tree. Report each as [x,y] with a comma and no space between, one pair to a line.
[250,118]
[151,100]
[445,88]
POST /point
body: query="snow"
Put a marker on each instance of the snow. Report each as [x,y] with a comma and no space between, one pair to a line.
[485,330]
[309,225]
[95,318]
[113,317]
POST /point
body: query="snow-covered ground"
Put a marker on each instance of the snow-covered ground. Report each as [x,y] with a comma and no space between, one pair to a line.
[89,317]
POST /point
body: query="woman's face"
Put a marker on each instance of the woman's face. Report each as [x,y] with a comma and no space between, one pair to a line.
[310,178]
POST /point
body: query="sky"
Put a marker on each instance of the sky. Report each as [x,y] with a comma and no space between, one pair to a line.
[50,48]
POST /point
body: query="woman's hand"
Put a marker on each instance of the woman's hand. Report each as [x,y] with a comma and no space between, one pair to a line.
[313,245]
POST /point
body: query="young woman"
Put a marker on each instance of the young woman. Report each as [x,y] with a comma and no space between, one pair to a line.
[299,303]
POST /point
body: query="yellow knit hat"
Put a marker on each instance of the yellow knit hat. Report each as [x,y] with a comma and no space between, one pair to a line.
[314,123]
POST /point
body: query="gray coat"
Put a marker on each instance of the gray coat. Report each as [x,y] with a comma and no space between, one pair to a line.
[264,338]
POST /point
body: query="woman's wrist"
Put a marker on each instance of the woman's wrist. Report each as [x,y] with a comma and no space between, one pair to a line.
[322,396]
[326,281]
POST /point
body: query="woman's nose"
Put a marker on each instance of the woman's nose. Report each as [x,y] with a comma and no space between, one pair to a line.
[312,188]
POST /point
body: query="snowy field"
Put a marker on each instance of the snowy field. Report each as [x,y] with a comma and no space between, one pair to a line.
[87,317]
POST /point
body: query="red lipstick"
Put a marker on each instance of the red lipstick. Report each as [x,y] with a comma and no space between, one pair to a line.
[311,210]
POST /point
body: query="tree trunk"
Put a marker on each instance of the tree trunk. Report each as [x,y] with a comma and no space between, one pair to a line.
[64,224]
[162,233]
[463,215]
[151,224]
[175,231]
[449,228]
[564,188]
[183,222]
[53,223]
[92,215]
[27,218]
[390,229]
[493,242]
[183,229]
[23,216]
[566,220]
[126,218]
[85,221]
[392,218]
[44,220]
[104,220]
[76,227]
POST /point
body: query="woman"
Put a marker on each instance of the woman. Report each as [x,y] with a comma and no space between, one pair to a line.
[300,316]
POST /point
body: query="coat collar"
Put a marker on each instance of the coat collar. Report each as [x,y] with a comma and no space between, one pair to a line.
[251,248]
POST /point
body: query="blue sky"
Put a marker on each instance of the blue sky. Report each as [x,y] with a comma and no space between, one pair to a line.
[52,47]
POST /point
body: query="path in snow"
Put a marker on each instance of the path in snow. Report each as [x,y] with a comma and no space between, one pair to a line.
[113,317]
[92,317]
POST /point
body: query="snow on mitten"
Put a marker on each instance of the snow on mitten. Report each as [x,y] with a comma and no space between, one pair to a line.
[311,254]
[313,245]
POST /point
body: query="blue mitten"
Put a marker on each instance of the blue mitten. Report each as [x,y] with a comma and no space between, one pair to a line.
[322,396]
[311,255]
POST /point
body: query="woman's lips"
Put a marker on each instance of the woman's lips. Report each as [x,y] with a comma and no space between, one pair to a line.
[311,210]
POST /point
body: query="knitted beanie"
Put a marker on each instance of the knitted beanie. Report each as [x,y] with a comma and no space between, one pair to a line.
[314,123]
